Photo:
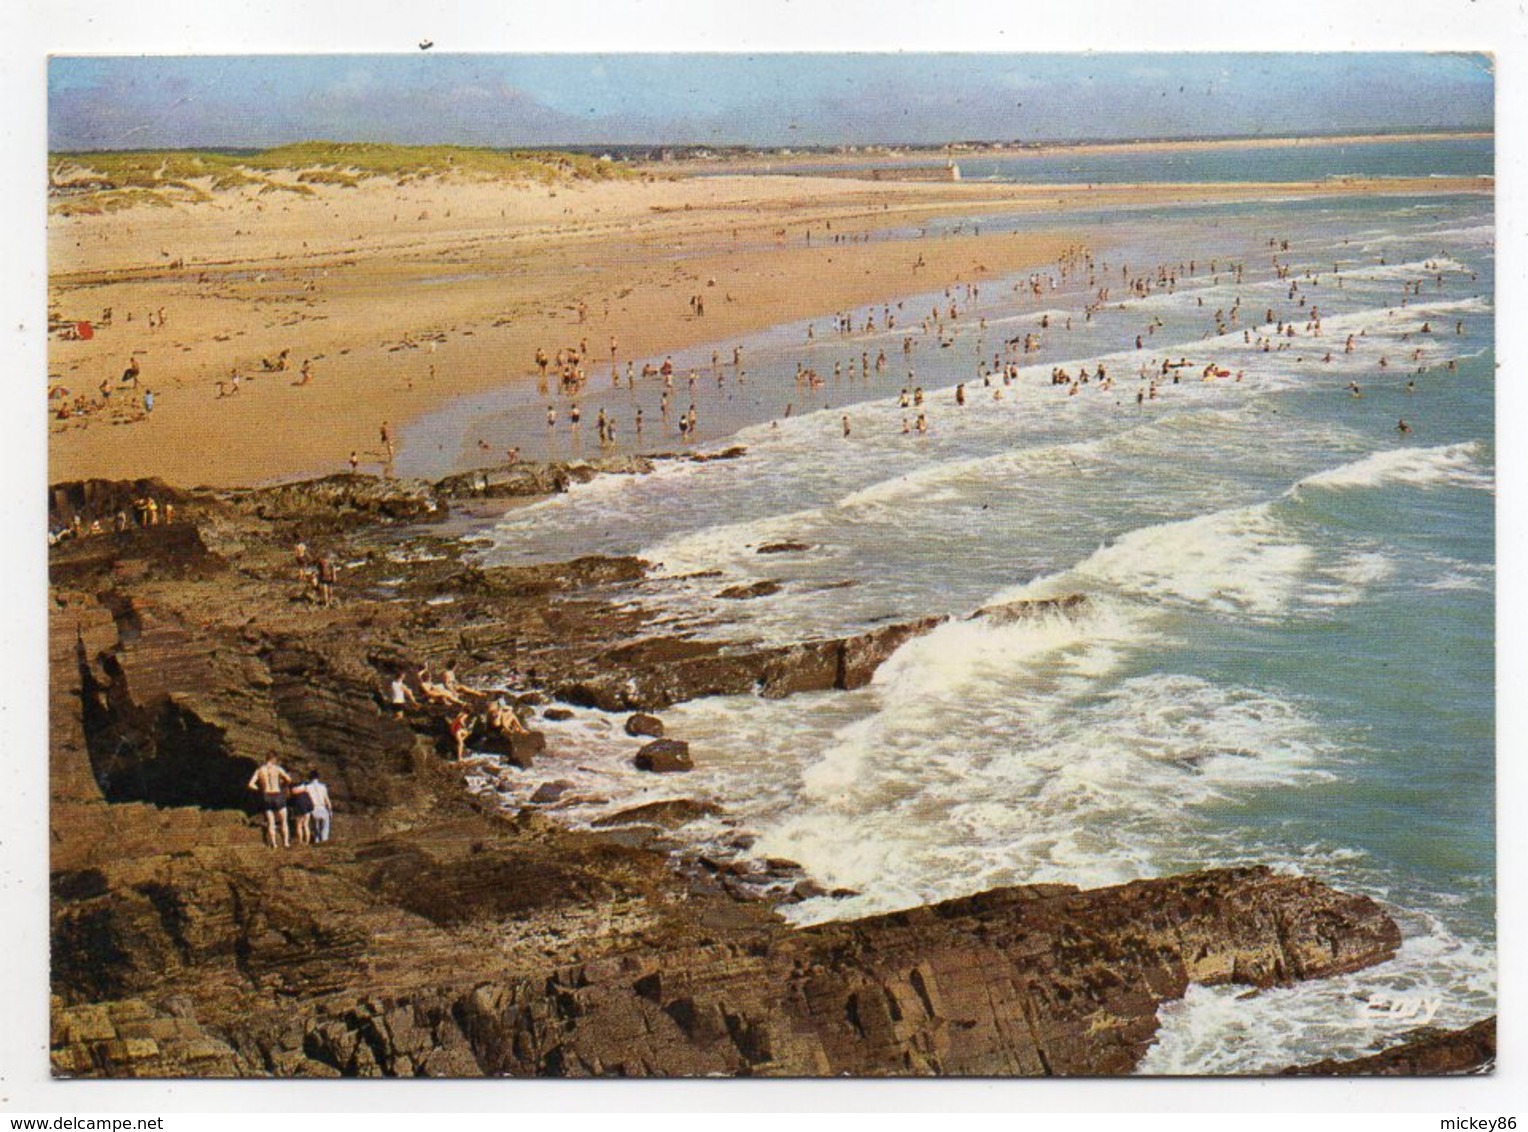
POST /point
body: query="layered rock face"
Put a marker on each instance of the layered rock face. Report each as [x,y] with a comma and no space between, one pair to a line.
[436,937]
[1023,981]
[1026,981]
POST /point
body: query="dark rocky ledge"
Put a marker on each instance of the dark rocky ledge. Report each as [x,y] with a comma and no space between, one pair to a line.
[435,936]
[382,979]
[1425,1052]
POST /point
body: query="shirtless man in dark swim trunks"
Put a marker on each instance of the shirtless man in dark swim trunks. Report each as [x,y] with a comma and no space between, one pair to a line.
[271,780]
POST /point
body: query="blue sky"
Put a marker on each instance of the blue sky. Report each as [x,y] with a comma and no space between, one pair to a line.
[788,99]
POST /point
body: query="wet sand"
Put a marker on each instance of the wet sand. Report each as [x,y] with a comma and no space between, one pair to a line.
[408,296]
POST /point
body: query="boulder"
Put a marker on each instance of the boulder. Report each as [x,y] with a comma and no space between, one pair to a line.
[740,592]
[1011,611]
[664,756]
[549,792]
[557,714]
[524,747]
[643,724]
[808,890]
[669,813]
[725,454]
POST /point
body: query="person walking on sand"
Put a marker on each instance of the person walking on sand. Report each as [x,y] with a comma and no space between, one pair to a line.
[271,781]
[846,426]
[355,461]
[387,439]
[323,807]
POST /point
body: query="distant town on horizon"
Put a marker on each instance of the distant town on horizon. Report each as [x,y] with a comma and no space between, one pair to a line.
[697,151]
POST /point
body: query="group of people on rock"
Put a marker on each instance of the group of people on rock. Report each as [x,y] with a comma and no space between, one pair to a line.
[475,710]
[147,512]
[307,801]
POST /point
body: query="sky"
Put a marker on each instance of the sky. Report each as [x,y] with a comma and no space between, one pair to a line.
[797,99]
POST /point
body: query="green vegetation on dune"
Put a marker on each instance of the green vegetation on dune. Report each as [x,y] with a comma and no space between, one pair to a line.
[372,159]
[107,179]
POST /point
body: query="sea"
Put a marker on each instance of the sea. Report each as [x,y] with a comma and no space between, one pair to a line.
[1307,160]
[1285,654]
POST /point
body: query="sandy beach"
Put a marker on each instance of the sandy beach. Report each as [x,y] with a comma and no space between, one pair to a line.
[404,296]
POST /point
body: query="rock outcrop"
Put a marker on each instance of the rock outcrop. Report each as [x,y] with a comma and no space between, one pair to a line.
[523,480]
[653,674]
[346,499]
[1031,981]
[1013,612]
[1426,1052]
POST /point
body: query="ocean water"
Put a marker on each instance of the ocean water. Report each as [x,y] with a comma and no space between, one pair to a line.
[1286,650]
[1301,161]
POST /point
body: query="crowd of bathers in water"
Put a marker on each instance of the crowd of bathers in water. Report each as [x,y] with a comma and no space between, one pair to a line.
[1297,326]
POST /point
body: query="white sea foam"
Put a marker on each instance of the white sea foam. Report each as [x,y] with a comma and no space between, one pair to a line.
[1351,579]
[1437,979]
[1236,560]
[1453,465]
[1058,782]
[1472,236]
[727,545]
